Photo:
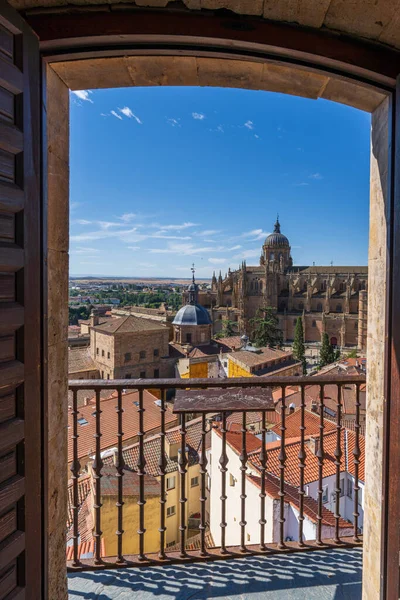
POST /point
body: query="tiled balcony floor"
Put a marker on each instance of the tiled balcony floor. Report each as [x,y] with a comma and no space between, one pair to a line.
[323,574]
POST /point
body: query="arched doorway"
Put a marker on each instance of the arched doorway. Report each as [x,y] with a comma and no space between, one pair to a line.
[334,341]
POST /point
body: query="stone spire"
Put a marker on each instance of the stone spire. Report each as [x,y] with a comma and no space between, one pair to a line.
[193,289]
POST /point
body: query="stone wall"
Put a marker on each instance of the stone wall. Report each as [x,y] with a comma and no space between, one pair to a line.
[57,109]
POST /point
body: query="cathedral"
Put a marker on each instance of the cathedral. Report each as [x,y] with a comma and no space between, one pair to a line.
[328,299]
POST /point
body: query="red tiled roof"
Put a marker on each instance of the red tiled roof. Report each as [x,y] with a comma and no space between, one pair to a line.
[234,439]
[84,487]
[311,423]
[86,550]
[292,497]
[129,324]
[312,396]
[109,423]
[79,359]
[263,355]
[130,483]
[230,343]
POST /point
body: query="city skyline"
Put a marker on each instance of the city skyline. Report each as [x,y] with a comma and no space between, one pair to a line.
[202,178]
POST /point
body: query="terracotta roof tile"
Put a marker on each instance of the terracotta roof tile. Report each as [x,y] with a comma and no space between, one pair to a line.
[292,497]
[263,355]
[86,550]
[79,360]
[109,423]
[129,324]
[311,423]
[130,483]
[312,396]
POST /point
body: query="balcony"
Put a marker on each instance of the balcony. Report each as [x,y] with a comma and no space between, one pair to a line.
[268,473]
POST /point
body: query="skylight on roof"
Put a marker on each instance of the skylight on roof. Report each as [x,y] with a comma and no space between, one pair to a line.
[82,421]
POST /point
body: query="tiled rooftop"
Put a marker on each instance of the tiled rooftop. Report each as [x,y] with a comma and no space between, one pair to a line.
[80,360]
[130,404]
[129,324]
[319,575]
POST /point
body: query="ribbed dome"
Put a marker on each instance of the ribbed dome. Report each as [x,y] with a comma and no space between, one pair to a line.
[192,314]
[276,238]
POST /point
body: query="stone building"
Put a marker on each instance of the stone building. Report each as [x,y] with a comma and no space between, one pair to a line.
[328,299]
[130,347]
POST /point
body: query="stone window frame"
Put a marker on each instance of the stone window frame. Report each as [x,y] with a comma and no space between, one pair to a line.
[142,374]
[142,354]
[127,357]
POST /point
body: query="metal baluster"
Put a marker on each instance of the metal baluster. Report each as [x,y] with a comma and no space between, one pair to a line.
[141,464]
[162,464]
[320,456]
[356,453]
[302,466]
[263,461]
[282,459]
[223,461]
[243,496]
[120,474]
[182,464]
[75,469]
[338,456]
[203,499]
[97,466]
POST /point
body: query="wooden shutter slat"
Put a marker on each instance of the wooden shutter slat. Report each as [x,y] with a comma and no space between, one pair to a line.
[11,433]
[11,374]
[11,78]
[11,197]
[11,548]
[11,258]
[21,307]
[11,491]
[11,316]
[11,138]
[8,524]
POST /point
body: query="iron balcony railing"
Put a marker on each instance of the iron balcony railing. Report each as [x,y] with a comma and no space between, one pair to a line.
[239,395]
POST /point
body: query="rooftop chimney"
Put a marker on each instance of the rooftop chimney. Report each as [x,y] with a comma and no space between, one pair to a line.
[314,406]
[314,444]
[292,408]
[94,318]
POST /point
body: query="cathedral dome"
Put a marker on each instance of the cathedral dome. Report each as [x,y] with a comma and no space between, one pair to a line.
[192,314]
[276,239]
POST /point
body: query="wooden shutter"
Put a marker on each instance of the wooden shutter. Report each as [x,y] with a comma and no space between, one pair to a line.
[20,310]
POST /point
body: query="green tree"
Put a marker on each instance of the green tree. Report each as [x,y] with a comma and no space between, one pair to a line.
[266,330]
[299,350]
[228,329]
[327,353]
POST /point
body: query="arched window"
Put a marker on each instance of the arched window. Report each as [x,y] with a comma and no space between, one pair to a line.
[256,286]
[319,307]
[314,323]
[341,287]
[282,306]
[338,308]
[322,286]
[271,256]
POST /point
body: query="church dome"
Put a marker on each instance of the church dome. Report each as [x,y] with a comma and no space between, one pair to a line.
[192,314]
[276,239]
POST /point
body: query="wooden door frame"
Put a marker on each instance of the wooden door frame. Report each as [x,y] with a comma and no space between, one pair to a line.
[67,37]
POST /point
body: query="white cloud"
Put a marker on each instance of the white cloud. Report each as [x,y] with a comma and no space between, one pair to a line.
[177,227]
[217,261]
[198,116]
[147,265]
[83,222]
[115,114]
[174,122]
[235,247]
[83,95]
[127,217]
[84,250]
[256,136]
[255,234]
[208,232]
[74,205]
[247,254]
[109,224]
[134,247]
[249,125]
[301,184]
[315,176]
[128,113]
[187,249]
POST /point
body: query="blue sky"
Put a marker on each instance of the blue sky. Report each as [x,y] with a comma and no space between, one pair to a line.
[162,177]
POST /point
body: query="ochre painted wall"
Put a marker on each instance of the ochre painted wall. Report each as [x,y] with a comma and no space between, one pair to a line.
[198,370]
[234,370]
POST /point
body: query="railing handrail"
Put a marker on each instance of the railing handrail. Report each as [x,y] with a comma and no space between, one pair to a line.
[234,382]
